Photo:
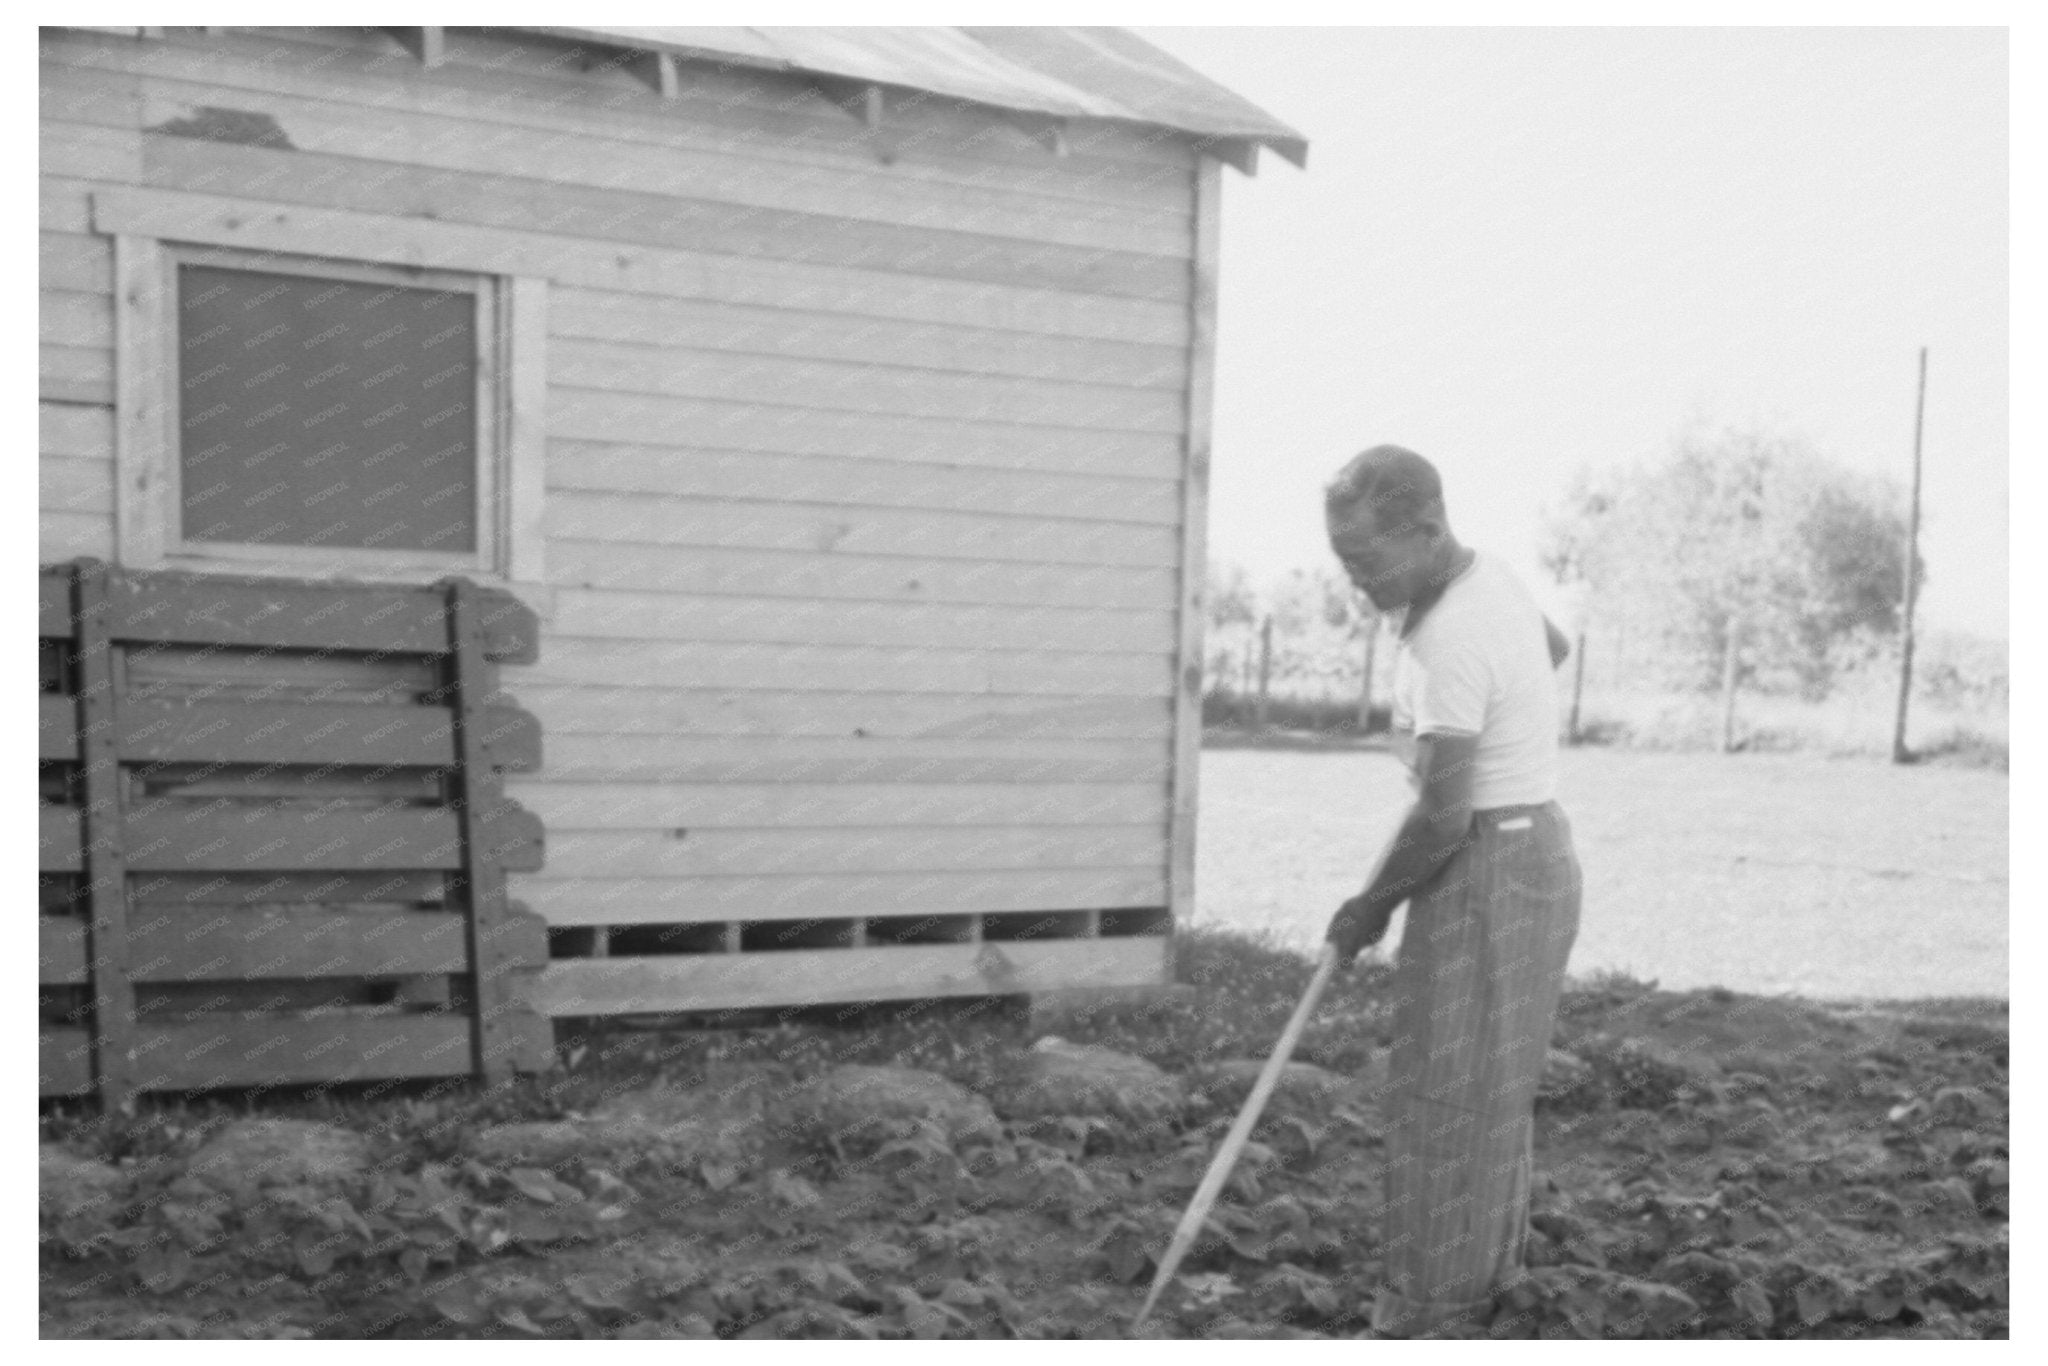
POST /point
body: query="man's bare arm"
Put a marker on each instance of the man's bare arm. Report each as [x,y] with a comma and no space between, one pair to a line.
[1560,647]
[1434,827]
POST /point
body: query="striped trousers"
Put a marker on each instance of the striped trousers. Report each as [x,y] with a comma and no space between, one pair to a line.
[1475,985]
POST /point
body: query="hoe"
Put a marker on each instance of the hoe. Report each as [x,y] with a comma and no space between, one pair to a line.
[1240,1132]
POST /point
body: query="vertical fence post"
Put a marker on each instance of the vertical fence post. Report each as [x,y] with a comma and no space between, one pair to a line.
[1901,754]
[476,792]
[1578,686]
[105,866]
[1262,709]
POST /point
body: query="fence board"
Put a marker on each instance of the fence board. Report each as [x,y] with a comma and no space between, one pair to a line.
[265,1049]
[164,671]
[373,891]
[57,728]
[183,836]
[301,906]
[53,602]
[64,1060]
[169,945]
[251,732]
[102,846]
[258,613]
[59,836]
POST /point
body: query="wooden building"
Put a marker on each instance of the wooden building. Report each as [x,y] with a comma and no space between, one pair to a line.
[836,400]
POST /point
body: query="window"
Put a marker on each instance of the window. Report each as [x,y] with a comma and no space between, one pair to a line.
[295,414]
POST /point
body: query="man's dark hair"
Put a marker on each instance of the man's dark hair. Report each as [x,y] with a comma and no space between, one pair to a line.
[1400,486]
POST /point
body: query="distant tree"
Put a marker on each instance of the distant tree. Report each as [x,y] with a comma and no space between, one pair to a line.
[1577,544]
[1354,626]
[1745,555]
[1231,611]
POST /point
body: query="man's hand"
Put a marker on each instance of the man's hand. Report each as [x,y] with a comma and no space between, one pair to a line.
[1358,924]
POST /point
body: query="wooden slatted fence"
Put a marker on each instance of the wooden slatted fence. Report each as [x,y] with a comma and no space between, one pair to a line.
[274,838]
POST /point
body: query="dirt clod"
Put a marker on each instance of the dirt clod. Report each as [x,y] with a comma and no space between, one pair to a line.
[859,1108]
[1061,1078]
[255,1153]
[70,1186]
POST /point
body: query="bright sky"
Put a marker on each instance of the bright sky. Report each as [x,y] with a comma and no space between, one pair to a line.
[1521,250]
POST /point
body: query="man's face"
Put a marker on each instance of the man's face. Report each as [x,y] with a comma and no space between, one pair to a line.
[1388,565]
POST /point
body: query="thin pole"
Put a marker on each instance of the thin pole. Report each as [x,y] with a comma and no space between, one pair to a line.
[1240,1133]
[1261,709]
[1900,754]
[1578,686]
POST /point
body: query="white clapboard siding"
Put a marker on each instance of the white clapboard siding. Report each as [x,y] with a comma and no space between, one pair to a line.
[864,466]
[575,414]
[521,82]
[76,317]
[76,261]
[537,206]
[64,484]
[226,219]
[68,535]
[747,759]
[62,203]
[683,852]
[77,431]
[572,660]
[889,390]
[882,716]
[817,977]
[814,334]
[737,175]
[600,74]
[801,896]
[76,374]
[90,151]
[711,982]
[837,574]
[601,614]
[788,806]
[687,471]
[653,520]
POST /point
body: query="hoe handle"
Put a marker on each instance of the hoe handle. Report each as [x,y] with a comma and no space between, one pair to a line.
[1240,1133]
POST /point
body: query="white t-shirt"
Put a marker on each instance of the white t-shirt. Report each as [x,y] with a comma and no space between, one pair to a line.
[1479,664]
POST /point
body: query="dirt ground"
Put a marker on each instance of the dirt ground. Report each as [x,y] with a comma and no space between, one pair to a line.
[1710,1164]
[1766,873]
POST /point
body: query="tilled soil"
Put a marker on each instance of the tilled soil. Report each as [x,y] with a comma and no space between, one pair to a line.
[1710,1165]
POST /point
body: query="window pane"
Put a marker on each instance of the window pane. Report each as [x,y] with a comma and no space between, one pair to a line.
[326,412]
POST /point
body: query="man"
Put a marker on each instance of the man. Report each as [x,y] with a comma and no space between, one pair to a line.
[1484,860]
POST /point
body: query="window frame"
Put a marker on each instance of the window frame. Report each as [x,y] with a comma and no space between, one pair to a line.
[511,382]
